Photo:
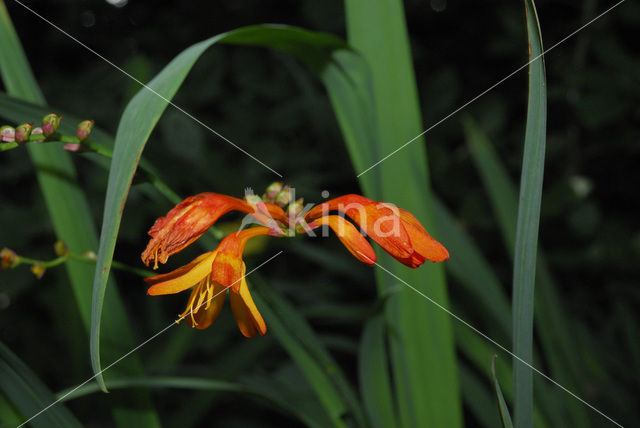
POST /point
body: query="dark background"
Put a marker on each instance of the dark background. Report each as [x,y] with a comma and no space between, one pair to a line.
[268,104]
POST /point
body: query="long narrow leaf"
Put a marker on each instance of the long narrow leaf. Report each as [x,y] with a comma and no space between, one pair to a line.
[71,217]
[29,394]
[143,112]
[375,384]
[422,349]
[505,416]
[553,326]
[321,370]
[163,382]
[524,269]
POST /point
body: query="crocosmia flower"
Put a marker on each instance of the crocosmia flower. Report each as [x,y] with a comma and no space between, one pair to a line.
[396,230]
[222,271]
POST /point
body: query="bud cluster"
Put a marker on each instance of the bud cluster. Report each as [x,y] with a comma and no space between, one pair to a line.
[46,131]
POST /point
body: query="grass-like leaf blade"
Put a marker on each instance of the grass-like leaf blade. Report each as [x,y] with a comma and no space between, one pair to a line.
[505,416]
[23,388]
[422,350]
[321,370]
[558,343]
[71,217]
[526,245]
[140,117]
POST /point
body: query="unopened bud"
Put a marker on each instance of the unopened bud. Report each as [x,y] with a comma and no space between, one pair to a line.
[8,259]
[74,147]
[7,134]
[84,129]
[23,132]
[50,124]
[38,270]
[36,131]
[284,196]
[90,255]
[272,191]
[60,248]
[253,199]
[295,208]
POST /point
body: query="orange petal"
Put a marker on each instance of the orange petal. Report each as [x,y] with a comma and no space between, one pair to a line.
[323,209]
[227,266]
[209,310]
[350,237]
[378,220]
[186,222]
[245,311]
[422,242]
[183,277]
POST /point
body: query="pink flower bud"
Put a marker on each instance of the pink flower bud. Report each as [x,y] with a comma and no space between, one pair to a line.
[74,147]
[284,196]
[7,134]
[50,124]
[84,129]
[23,132]
[272,191]
[36,131]
[295,208]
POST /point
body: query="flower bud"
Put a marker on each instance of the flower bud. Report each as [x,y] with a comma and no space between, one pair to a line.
[23,132]
[284,196]
[295,208]
[7,134]
[8,259]
[36,131]
[38,270]
[272,191]
[84,129]
[50,124]
[74,147]
[60,248]
[253,199]
[90,255]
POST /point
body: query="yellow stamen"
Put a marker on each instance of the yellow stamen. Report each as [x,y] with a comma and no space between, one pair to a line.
[155,259]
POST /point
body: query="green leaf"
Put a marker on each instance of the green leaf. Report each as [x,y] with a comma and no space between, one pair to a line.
[164,382]
[143,112]
[320,369]
[71,217]
[381,115]
[478,398]
[502,405]
[375,385]
[526,244]
[554,328]
[30,396]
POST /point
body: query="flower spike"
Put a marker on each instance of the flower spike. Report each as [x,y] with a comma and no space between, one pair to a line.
[222,271]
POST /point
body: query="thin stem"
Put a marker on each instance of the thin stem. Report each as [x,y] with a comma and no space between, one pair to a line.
[115,264]
[82,258]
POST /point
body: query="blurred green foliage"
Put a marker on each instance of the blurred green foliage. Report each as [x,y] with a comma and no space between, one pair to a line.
[270,105]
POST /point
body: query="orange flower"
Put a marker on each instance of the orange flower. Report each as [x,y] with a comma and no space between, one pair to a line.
[211,275]
[216,273]
[191,218]
[396,230]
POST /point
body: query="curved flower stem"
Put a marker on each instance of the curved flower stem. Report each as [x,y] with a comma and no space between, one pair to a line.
[83,258]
